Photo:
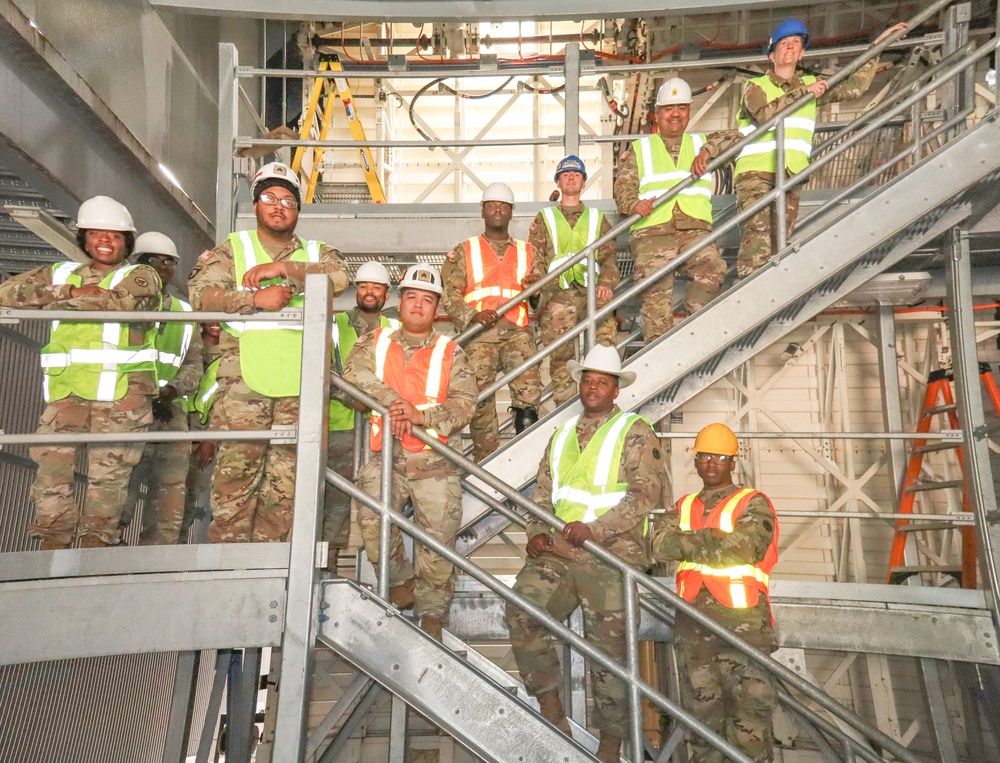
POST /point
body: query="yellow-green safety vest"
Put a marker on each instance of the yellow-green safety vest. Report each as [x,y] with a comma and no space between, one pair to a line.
[585,485]
[344,339]
[567,240]
[92,360]
[760,154]
[172,341]
[270,351]
[658,173]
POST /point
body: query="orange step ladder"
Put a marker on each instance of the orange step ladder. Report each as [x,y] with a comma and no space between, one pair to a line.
[938,389]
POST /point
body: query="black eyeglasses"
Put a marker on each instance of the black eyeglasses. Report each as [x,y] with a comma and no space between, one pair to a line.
[271,200]
[703,457]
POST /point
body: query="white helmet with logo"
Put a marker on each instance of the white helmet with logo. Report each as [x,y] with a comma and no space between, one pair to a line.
[673,92]
[275,171]
[152,242]
[104,213]
[372,272]
[423,277]
[498,192]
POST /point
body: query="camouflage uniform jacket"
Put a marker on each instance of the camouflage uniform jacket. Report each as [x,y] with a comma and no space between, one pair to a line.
[627,182]
[758,109]
[212,287]
[541,242]
[619,529]
[453,280]
[363,323]
[449,418]
[139,290]
[193,366]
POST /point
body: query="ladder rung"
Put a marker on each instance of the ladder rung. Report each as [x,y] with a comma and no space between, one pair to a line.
[946,445]
[897,575]
[940,409]
[916,527]
[920,486]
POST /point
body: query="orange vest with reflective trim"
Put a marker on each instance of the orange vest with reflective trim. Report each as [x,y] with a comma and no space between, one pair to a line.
[736,587]
[423,381]
[490,281]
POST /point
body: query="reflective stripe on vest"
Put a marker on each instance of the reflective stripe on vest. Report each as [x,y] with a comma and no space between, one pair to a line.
[490,284]
[423,381]
[739,586]
[75,349]
[270,351]
[760,154]
[172,343]
[207,387]
[585,484]
[344,338]
[658,173]
[567,240]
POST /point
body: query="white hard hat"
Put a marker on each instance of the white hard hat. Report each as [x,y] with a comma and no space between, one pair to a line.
[673,92]
[275,171]
[423,277]
[605,360]
[152,242]
[104,213]
[498,192]
[372,272]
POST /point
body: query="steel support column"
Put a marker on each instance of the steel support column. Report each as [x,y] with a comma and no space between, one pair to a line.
[571,139]
[181,704]
[300,616]
[229,109]
[969,397]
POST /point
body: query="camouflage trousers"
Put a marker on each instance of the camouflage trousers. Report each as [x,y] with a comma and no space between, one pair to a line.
[253,485]
[721,686]
[198,500]
[166,492]
[489,359]
[560,586]
[337,504]
[437,509]
[758,238]
[560,314]
[58,516]
[705,273]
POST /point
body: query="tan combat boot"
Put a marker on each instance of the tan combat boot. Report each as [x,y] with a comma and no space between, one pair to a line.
[50,544]
[610,749]
[432,626]
[331,560]
[401,596]
[551,708]
[92,541]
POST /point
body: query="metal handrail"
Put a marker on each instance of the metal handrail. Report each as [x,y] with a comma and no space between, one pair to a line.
[632,577]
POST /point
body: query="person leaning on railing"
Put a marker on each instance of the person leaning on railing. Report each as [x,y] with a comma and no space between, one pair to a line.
[602,473]
[97,377]
[649,168]
[253,484]
[763,97]
[425,379]
[725,540]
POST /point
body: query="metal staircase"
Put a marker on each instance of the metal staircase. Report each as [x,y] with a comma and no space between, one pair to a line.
[957,185]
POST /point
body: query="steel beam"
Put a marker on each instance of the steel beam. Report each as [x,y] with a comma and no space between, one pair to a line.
[181,705]
[571,135]
[229,105]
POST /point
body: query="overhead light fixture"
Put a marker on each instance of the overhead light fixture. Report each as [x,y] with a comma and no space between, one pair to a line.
[890,288]
[50,230]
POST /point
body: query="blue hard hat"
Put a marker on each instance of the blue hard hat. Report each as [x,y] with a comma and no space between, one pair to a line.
[788,28]
[571,163]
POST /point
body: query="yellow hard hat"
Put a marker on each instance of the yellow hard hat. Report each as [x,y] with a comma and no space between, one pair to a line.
[718,439]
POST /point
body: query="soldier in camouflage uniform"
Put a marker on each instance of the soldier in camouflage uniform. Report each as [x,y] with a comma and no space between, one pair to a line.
[415,357]
[563,303]
[253,483]
[507,340]
[180,348]
[722,528]
[559,575]
[763,97]
[78,399]
[650,168]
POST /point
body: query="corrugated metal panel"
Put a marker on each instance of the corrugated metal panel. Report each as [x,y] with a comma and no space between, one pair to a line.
[108,709]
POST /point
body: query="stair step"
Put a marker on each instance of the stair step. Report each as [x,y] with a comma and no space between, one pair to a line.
[921,486]
[938,446]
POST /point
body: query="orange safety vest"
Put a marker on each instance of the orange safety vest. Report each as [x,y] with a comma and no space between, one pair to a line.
[736,587]
[491,281]
[423,381]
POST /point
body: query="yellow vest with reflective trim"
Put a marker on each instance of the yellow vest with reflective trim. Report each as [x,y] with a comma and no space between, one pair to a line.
[92,360]
[344,339]
[203,400]
[567,240]
[760,154]
[658,174]
[585,485]
[270,351]
[172,341]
